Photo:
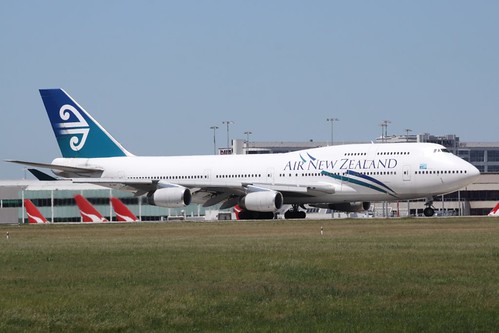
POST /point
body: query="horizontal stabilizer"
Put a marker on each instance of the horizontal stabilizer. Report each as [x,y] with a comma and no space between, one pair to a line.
[58,167]
[41,175]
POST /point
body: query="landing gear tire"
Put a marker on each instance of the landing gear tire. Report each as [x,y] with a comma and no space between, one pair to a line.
[251,215]
[294,213]
[429,211]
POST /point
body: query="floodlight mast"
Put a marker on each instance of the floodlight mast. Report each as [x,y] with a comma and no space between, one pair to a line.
[332,120]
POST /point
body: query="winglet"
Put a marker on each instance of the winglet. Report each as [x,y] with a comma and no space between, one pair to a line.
[87,211]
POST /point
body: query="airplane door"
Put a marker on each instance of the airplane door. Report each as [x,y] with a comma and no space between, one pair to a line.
[406,173]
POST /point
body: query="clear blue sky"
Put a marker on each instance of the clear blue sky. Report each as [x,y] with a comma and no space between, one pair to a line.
[158,74]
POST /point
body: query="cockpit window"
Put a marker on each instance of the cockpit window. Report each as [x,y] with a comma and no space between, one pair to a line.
[443,150]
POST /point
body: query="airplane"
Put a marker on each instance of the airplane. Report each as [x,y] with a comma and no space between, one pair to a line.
[345,177]
[123,214]
[495,211]
[87,211]
[34,215]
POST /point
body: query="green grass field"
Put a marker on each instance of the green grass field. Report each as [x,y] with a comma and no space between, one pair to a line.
[413,275]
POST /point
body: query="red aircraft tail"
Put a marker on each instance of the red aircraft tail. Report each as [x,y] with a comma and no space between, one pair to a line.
[495,211]
[87,211]
[123,214]
[34,215]
[237,211]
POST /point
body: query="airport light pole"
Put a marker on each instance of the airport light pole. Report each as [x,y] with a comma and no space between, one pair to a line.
[214,128]
[247,138]
[384,130]
[332,120]
[228,122]
[407,130]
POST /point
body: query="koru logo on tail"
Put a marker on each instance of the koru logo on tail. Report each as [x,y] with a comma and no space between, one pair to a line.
[78,129]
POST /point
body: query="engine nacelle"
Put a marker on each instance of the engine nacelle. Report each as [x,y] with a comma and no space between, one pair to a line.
[350,207]
[170,197]
[262,201]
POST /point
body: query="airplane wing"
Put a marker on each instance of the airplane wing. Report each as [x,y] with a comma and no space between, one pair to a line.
[302,189]
[201,192]
[138,187]
[230,195]
[212,195]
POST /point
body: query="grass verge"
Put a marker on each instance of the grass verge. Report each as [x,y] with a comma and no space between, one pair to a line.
[361,275]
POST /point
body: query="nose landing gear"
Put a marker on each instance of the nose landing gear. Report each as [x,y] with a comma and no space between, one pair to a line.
[429,210]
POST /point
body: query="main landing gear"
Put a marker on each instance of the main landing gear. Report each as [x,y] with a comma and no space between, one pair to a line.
[251,215]
[429,210]
[295,213]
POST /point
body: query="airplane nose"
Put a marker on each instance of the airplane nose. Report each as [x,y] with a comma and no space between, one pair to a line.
[473,172]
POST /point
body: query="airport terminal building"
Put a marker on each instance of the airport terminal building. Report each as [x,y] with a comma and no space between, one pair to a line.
[55,199]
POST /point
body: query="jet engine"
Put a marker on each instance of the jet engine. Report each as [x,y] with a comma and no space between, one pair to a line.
[262,201]
[170,197]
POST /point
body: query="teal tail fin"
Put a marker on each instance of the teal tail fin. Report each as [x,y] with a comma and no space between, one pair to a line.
[77,133]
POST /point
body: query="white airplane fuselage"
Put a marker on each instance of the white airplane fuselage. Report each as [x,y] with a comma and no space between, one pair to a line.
[346,173]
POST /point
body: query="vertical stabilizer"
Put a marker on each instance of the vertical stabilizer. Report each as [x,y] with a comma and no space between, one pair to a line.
[34,215]
[87,211]
[77,133]
[495,211]
[123,214]
[237,211]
